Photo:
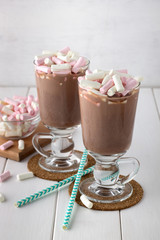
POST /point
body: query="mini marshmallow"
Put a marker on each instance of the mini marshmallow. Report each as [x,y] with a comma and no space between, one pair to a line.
[4,118]
[57,60]
[118,83]
[86,201]
[64,66]
[65,50]
[73,55]
[107,86]
[34,105]
[80,62]
[90,84]
[4,176]
[48,61]
[6,110]
[112,91]
[2,198]
[106,79]
[11,101]
[21,145]
[45,69]
[95,76]
[6,145]
[24,176]
[132,83]
[64,58]
[48,53]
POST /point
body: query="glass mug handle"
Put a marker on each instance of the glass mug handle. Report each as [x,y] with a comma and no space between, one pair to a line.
[36,145]
[130,176]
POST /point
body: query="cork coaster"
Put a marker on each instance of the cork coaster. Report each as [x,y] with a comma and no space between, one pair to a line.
[34,167]
[134,199]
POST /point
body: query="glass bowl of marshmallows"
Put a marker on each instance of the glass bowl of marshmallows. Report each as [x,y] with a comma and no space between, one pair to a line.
[19,117]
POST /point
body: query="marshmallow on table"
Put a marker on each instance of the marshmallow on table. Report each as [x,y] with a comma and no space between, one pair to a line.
[95,76]
[6,145]
[24,176]
[2,198]
[90,84]
[21,145]
[86,201]
[118,83]
[4,176]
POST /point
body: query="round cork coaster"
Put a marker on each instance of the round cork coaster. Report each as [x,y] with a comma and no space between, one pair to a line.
[34,167]
[134,199]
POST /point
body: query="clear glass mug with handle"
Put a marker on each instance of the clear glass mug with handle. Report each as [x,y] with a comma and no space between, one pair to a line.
[107,128]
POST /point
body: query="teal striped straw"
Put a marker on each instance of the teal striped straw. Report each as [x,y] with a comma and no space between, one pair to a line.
[50,189]
[74,191]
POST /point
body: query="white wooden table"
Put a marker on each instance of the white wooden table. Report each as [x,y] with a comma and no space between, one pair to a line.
[42,220]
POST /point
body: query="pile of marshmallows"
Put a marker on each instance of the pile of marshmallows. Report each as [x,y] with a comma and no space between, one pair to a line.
[15,115]
[64,61]
[116,83]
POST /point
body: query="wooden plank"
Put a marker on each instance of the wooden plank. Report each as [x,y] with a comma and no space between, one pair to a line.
[33,221]
[142,220]
[15,154]
[156,92]
[85,223]
[2,164]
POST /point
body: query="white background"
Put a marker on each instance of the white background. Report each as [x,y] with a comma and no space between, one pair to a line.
[111,33]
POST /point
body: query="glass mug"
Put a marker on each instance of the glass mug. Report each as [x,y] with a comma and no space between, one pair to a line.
[107,128]
[59,112]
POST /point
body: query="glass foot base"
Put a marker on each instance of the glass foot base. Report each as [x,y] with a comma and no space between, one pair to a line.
[96,193]
[53,164]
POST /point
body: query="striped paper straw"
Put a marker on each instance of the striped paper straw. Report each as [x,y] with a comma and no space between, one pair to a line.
[74,191]
[50,189]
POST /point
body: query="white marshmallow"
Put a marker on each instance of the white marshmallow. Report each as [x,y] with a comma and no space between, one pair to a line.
[6,110]
[95,76]
[24,176]
[118,83]
[57,67]
[20,144]
[48,53]
[64,58]
[112,91]
[106,79]
[73,55]
[48,62]
[43,56]
[90,84]
[34,105]
[4,118]
[2,198]
[122,74]
[86,202]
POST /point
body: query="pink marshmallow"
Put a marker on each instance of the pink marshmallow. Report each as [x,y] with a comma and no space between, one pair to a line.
[43,69]
[36,99]
[107,86]
[130,84]
[81,62]
[65,50]
[39,61]
[23,110]
[12,117]
[11,101]
[123,71]
[6,145]
[62,72]
[57,60]
[30,110]
[25,116]
[72,63]
[4,176]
